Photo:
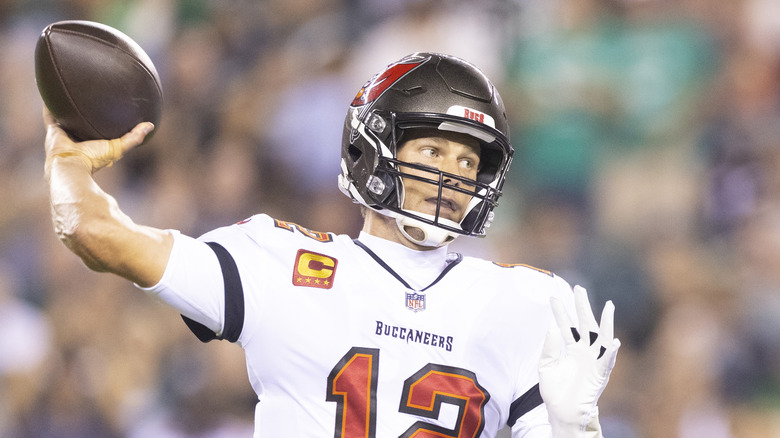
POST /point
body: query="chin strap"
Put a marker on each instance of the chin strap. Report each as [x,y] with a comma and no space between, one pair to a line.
[432,236]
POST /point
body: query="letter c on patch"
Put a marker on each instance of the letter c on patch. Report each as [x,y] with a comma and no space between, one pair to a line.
[315,265]
[314,270]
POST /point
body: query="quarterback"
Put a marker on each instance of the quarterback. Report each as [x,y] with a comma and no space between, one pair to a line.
[387,334]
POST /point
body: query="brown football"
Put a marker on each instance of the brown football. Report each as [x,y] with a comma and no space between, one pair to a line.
[97,82]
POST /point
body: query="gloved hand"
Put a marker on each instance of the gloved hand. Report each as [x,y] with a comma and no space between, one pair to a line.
[571,379]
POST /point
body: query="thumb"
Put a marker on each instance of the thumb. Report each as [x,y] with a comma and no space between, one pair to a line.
[135,137]
[102,153]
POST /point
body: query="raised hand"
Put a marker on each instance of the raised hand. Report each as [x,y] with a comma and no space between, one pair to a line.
[575,366]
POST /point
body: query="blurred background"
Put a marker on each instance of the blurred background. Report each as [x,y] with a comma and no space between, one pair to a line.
[647,169]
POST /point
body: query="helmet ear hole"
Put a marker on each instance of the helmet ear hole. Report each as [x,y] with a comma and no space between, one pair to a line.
[415,232]
[489,165]
[387,191]
[354,153]
[419,235]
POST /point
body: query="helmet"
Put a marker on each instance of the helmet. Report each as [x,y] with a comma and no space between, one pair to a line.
[425,90]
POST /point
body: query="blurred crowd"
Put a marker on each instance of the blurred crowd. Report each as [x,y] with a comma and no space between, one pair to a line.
[647,169]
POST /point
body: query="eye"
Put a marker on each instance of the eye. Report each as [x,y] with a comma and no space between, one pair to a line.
[467,163]
[428,152]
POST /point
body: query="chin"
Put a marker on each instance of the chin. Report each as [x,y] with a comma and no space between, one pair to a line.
[442,215]
[429,208]
[451,215]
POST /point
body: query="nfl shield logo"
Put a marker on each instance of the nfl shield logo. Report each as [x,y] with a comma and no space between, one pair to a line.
[415,301]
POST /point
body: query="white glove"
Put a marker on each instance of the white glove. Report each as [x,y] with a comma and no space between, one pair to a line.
[571,381]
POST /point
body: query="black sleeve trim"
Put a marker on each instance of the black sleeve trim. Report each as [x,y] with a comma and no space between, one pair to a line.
[234,301]
[524,404]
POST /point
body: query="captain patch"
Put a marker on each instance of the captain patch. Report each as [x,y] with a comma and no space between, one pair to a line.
[314,270]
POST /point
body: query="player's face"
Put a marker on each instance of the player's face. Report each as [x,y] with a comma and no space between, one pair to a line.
[446,151]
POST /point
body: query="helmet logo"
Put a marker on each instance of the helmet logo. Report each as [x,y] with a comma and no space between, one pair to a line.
[477,116]
[382,81]
[473,115]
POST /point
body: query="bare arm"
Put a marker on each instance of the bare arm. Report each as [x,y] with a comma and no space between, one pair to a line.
[88,220]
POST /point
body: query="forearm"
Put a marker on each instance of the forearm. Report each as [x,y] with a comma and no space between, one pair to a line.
[89,222]
[75,201]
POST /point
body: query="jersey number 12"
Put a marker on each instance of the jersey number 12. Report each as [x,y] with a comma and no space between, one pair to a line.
[352,386]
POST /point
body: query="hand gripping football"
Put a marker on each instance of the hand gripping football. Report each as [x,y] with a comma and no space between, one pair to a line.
[96,81]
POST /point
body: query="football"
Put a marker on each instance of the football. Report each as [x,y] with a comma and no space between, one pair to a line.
[97,82]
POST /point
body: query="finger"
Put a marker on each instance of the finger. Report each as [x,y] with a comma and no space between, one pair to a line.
[607,324]
[134,138]
[106,152]
[48,118]
[52,127]
[610,357]
[551,350]
[564,322]
[587,322]
[606,327]
[56,138]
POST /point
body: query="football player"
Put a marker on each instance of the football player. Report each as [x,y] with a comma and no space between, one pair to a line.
[387,334]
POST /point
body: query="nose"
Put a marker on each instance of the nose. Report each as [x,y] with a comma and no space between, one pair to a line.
[450,182]
[450,166]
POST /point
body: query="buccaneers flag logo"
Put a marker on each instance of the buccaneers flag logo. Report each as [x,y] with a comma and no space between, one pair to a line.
[382,81]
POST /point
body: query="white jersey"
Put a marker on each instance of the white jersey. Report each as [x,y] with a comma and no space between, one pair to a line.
[367,338]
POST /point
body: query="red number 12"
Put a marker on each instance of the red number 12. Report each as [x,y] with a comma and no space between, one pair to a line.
[352,385]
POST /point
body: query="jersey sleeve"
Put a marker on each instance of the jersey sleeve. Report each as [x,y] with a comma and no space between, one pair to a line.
[191,282]
[528,414]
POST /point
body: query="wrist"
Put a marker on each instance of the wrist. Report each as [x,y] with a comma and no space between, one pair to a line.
[94,155]
[70,156]
[587,425]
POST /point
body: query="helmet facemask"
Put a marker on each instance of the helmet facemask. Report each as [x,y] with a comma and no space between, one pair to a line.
[385,193]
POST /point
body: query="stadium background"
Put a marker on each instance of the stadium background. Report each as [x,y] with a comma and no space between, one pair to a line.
[647,170]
